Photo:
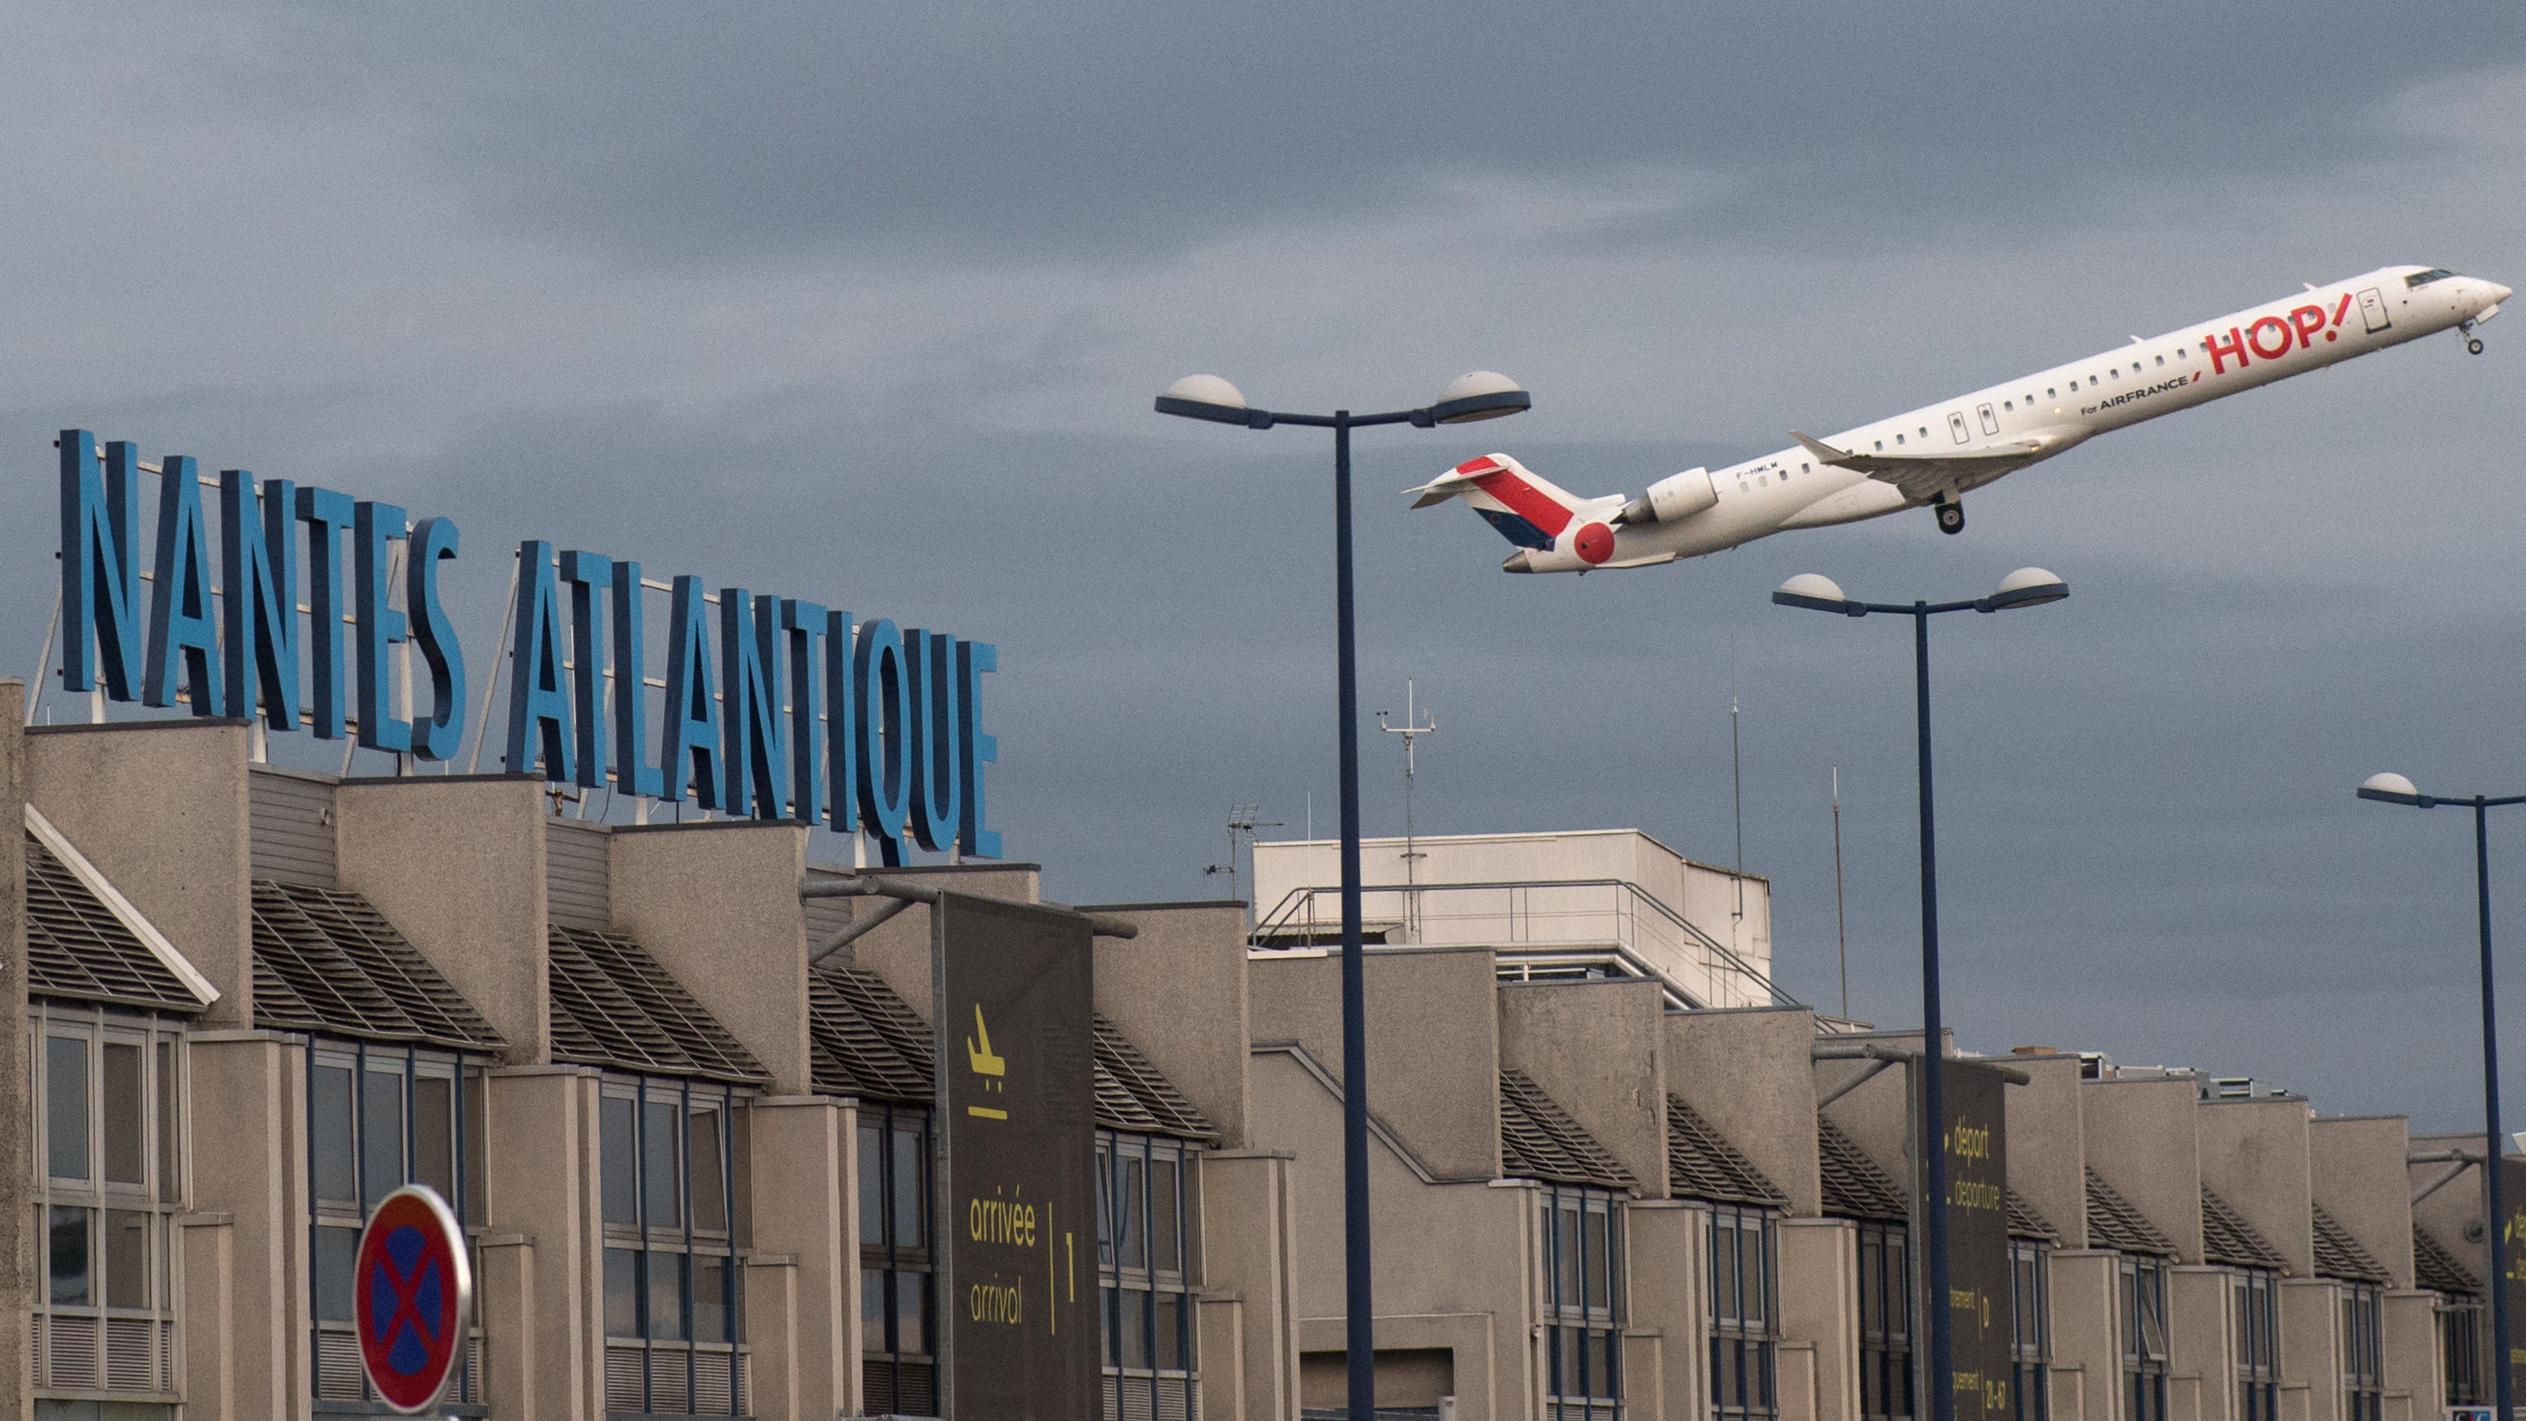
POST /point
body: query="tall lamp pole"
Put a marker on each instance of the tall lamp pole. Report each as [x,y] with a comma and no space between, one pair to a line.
[2395,789]
[2026,587]
[1483,394]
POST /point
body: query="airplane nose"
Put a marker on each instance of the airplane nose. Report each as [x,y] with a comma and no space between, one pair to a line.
[2499,293]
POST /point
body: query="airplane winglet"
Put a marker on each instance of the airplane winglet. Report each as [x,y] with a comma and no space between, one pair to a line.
[1458,480]
[1825,453]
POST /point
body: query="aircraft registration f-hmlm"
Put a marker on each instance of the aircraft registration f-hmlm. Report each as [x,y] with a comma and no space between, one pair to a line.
[1938,453]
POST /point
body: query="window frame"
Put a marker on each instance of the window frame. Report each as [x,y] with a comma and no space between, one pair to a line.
[2141,1297]
[2030,1341]
[156,1197]
[2360,1332]
[684,1239]
[1143,1286]
[338,1219]
[2464,1349]
[1886,1324]
[2254,1295]
[1582,1328]
[1744,1320]
[886,1263]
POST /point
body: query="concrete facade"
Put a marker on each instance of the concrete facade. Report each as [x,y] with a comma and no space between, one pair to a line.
[1505,1104]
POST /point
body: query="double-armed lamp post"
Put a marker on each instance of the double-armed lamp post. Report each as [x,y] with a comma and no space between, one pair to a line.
[1480,395]
[2395,789]
[2026,587]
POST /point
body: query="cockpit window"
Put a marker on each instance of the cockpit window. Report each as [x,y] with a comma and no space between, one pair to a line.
[2424,278]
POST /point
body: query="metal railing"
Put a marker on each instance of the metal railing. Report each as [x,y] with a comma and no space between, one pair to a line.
[1631,914]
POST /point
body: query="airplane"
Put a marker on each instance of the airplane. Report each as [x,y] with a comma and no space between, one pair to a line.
[1938,453]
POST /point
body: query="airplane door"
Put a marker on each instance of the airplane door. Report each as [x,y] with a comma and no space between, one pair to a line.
[1956,426]
[2372,309]
[1990,421]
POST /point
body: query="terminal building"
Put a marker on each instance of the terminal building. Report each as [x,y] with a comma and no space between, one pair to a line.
[1617,1172]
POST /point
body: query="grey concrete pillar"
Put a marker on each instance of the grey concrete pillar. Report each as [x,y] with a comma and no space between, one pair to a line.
[249,1095]
[542,1183]
[806,1208]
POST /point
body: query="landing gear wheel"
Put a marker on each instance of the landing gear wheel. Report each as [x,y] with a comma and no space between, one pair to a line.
[1951,517]
[2473,345]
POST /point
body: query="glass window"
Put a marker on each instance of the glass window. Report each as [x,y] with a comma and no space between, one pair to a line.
[673,1319]
[2255,1298]
[104,1169]
[2142,1317]
[2463,1341]
[380,1117]
[1582,1311]
[898,1369]
[2363,1351]
[1885,1322]
[1144,1219]
[1745,1326]
[2030,1304]
[66,1106]
[126,1133]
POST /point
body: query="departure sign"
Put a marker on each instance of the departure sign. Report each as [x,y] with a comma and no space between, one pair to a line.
[1016,1039]
[1980,1319]
[414,1297]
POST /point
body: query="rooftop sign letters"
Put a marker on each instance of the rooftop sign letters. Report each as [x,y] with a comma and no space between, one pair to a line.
[773,708]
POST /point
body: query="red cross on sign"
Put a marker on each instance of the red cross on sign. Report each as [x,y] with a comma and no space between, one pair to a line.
[412,1298]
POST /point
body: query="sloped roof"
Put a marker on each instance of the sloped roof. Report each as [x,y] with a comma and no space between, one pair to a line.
[2338,1255]
[2113,1223]
[2227,1238]
[613,1005]
[1701,1164]
[864,1040]
[327,962]
[2438,1269]
[1539,1140]
[1132,1094]
[1855,1186]
[2024,1222]
[79,947]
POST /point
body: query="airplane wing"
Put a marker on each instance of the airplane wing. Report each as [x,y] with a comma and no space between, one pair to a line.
[1926,478]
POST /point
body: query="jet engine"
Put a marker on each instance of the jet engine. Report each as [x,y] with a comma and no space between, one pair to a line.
[1677,496]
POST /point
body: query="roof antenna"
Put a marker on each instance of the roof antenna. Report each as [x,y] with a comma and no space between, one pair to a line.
[1241,827]
[1412,729]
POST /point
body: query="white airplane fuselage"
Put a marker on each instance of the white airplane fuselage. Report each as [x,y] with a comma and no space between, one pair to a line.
[1938,452]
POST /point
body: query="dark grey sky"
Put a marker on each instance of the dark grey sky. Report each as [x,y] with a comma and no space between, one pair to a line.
[866,304]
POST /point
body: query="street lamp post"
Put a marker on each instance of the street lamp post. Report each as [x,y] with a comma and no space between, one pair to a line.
[2026,587]
[1483,394]
[2395,789]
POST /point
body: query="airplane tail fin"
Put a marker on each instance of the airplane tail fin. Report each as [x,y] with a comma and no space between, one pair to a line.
[1523,506]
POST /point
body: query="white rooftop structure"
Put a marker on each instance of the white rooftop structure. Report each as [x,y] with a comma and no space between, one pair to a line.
[1594,902]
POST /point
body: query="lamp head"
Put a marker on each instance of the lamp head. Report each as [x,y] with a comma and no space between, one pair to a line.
[1209,397]
[2026,587]
[1816,592]
[1479,394]
[2391,788]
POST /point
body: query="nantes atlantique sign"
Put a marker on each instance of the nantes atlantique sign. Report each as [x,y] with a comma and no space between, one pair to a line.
[786,710]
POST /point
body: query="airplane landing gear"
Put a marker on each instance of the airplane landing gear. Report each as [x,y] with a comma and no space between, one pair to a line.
[2473,343]
[1951,516]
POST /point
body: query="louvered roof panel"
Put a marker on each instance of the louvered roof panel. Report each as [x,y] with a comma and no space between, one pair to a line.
[864,1040]
[78,948]
[327,962]
[2338,1255]
[2228,1238]
[1129,1087]
[1855,1186]
[1701,1164]
[2113,1223]
[1539,1140]
[2438,1269]
[2024,1222]
[613,1005]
